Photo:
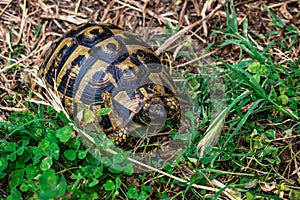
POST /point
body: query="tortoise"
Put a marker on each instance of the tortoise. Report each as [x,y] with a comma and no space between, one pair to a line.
[96,66]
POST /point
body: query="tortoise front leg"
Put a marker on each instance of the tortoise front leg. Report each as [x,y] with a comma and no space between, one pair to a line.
[119,136]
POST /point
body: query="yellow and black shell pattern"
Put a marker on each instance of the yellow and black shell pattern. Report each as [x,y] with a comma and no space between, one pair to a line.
[101,65]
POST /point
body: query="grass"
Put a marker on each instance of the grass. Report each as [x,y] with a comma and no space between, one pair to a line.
[256,157]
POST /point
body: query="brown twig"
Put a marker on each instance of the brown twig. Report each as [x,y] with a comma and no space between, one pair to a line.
[12,109]
[197,7]
[181,16]
[6,6]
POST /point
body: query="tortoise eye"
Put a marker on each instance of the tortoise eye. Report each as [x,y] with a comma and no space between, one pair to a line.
[141,53]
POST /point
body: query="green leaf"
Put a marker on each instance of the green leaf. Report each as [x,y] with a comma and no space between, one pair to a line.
[108,143]
[88,116]
[132,193]
[102,136]
[294,194]
[249,196]
[261,36]
[254,67]
[17,178]
[103,111]
[143,195]
[48,180]
[37,32]
[62,186]
[15,195]
[94,182]
[20,150]
[44,147]
[256,77]
[283,89]
[284,99]
[118,182]
[116,168]
[82,154]
[48,185]
[24,187]
[109,185]
[70,154]
[11,147]
[75,143]
[46,163]
[128,169]
[271,134]
[276,20]
[148,188]
[55,151]
[164,195]
[3,164]
[31,171]
[63,117]
[64,133]
[245,28]
[263,70]
[98,172]
[94,196]
[21,161]
[106,161]
[118,158]
[12,156]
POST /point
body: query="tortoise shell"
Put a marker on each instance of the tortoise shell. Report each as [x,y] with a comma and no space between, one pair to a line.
[98,66]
